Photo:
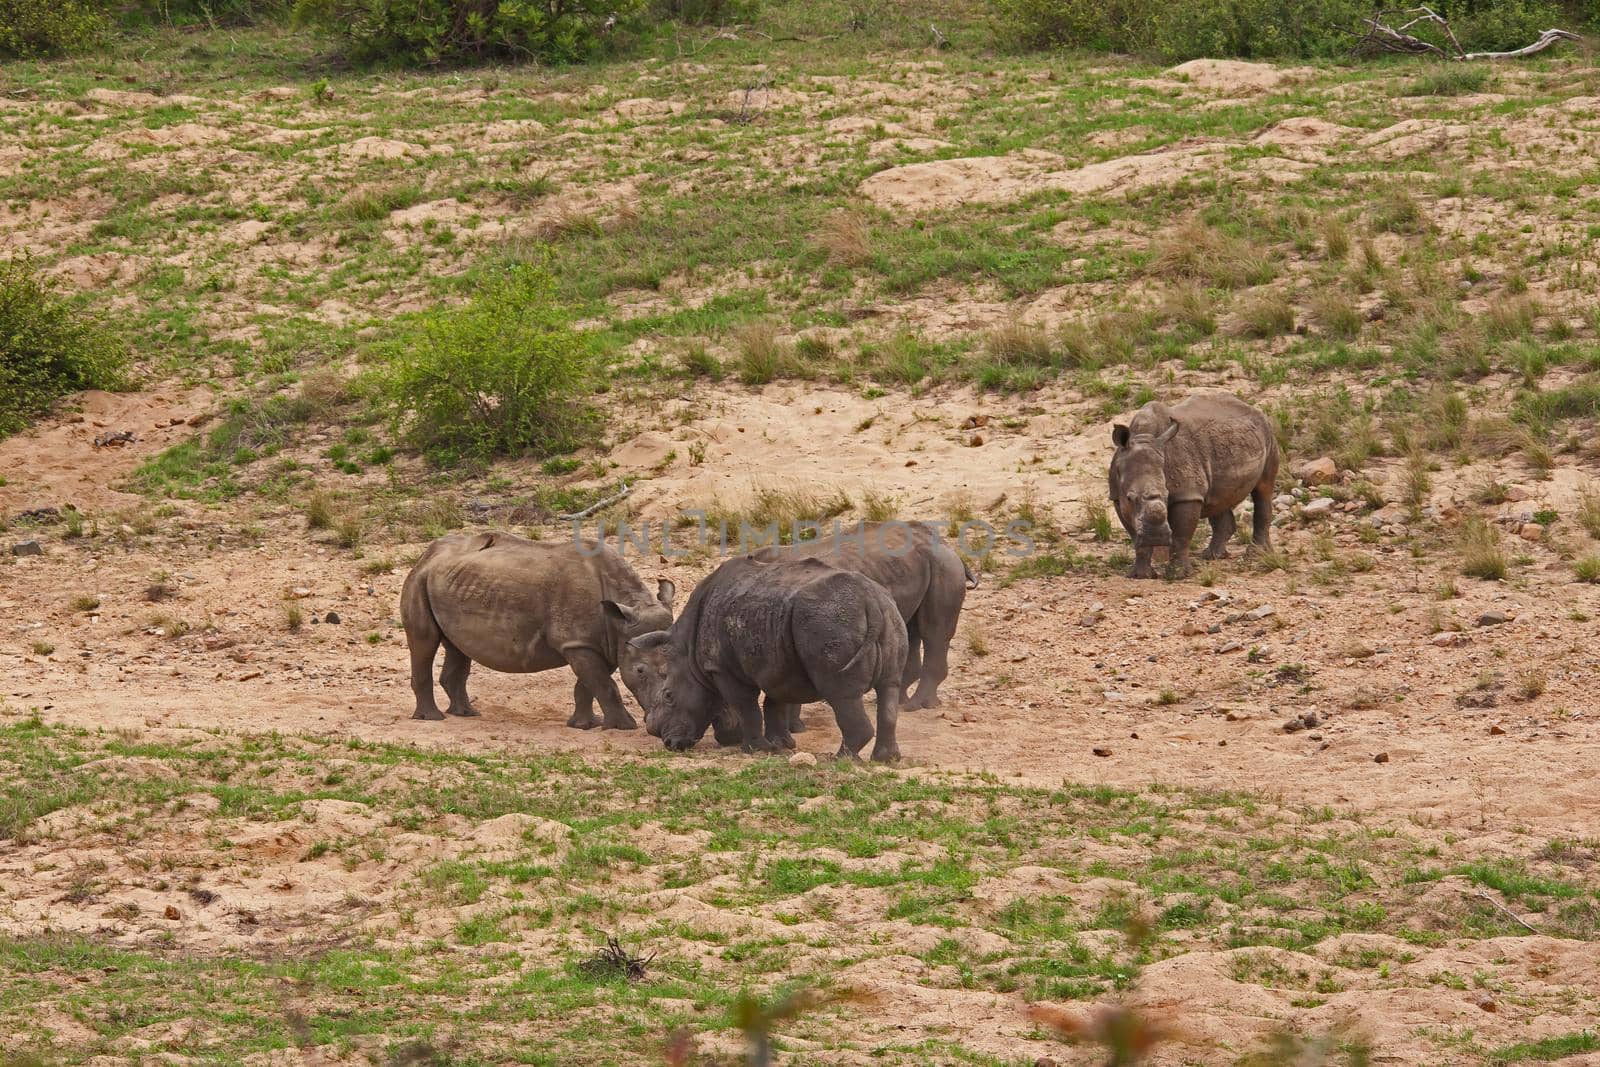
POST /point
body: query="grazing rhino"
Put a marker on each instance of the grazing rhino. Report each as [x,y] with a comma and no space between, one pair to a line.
[522,606]
[1178,464]
[798,631]
[926,577]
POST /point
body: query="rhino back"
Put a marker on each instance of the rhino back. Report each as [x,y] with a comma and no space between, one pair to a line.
[901,557]
[511,604]
[1220,454]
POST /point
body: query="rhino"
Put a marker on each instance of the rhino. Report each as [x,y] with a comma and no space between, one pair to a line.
[522,606]
[798,631]
[1176,464]
[926,577]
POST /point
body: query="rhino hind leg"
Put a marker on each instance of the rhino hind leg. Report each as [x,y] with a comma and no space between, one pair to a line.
[1261,519]
[423,639]
[855,729]
[583,716]
[887,750]
[1222,531]
[796,724]
[453,679]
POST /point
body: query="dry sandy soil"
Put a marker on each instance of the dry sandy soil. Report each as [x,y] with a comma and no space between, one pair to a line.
[1450,713]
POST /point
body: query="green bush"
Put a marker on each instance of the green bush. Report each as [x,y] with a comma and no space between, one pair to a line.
[48,348]
[48,27]
[441,31]
[1175,30]
[504,375]
[136,13]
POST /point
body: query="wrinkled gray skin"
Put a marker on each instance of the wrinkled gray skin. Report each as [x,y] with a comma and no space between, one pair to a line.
[1197,459]
[522,606]
[926,578]
[797,631]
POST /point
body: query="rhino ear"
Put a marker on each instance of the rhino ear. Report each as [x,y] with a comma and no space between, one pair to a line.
[1119,435]
[620,612]
[1169,433]
[665,591]
[645,642]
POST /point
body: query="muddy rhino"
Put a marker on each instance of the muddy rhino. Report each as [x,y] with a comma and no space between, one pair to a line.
[1197,459]
[926,577]
[798,631]
[521,606]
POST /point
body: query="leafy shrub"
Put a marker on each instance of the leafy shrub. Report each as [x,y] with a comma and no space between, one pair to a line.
[438,31]
[48,348]
[137,13]
[1177,30]
[504,375]
[48,27]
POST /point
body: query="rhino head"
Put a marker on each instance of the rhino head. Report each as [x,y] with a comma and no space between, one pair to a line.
[642,662]
[1142,485]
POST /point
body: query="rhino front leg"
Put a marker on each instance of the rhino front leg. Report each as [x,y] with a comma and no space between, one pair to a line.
[745,702]
[453,677]
[854,728]
[1222,530]
[595,674]
[1183,518]
[1141,562]
[778,717]
[583,716]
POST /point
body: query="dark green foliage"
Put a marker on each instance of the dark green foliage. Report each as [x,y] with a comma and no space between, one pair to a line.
[48,348]
[138,13]
[1185,29]
[48,27]
[452,31]
[504,375]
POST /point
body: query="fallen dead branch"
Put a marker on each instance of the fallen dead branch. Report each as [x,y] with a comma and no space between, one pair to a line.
[598,505]
[1380,36]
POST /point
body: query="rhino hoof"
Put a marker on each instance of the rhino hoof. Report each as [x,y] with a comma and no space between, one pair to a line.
[588,722]
[431,716]
[780,741]
[625,723]
[759,745]
[891,754]
[468,712]
[845,752]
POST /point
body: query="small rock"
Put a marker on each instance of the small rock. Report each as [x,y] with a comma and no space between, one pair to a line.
[803,759]
[1485,1001]
[1089,620]
[27,548]
[172,913]
[1495,730]
[1320,506]
[1516,494]
[332,618]
[1231,646]
[975,441]
[1382,757]
[1102,752]
[1449,639]
[1492,618]
[1319,471]
[1283,500]
[1293,726]
[1193,629]
[1265,611]
[299,592]
[249,676]
[1531,531]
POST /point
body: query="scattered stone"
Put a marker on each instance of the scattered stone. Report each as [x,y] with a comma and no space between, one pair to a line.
[1283,500]
[114,437]
[332,618]
[1089,620]
[300,592]
[1265,611]
[1492,618]
[1531,531]
[975,441]
[1515,494]
[1382,757]
[27,548]
[172,913]
[1231,646]
[1495,730]
[1102,752]
[249,676]
[1449,639]
[803,759]
[1193,629]
[1318,507]
[1485,1001]
[1319,471]
[1210,595]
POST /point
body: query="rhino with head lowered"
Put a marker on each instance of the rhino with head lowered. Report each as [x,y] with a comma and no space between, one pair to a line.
[797,631]
[522,606]
[1198,459]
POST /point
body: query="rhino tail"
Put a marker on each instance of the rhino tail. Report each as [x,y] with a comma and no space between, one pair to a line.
[971,575]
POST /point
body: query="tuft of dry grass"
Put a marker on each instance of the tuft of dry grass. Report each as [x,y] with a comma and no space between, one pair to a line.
[1509,317]
[1482,555]
[846,237]
[1588,510]
[763,355]
[1415,482]
[293,617]
[320,511]
[83,602]
[1019,344]
[1187,304]
[1336,314]
[1097,519]
[1198,252]
[977,639]
[697,362]
[1398,211]
[879,507]
[1335,237]
[1265,313]
[782,507]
